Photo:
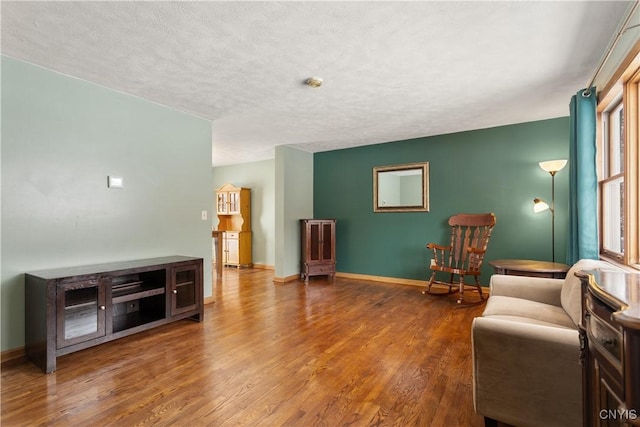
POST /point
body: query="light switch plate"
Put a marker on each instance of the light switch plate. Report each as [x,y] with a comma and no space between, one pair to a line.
[204,215]
[115,182]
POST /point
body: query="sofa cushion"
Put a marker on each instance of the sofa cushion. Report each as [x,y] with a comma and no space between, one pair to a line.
[570,296]
[531,321]
[537,312]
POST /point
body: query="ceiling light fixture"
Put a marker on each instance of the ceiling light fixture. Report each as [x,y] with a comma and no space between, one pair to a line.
[313,82]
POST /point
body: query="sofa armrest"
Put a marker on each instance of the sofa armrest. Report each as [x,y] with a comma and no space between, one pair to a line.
[526,374]
[538,289]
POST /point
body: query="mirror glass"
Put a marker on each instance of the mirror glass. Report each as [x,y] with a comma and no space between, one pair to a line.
[401,188]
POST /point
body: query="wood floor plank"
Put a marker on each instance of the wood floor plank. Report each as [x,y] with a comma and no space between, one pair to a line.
[341,353]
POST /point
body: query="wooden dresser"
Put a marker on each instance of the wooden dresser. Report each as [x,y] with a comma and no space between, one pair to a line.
[610,341]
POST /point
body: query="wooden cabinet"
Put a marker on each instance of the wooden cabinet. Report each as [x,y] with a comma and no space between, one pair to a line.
[228,201]
[610,341]
[318,248]
[236,248]
[70,309]
[233,206]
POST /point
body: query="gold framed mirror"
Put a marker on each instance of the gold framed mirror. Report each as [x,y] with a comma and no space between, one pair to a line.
[401,188]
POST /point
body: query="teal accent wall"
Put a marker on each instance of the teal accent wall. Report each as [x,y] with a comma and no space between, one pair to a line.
[488,170]
[61,138]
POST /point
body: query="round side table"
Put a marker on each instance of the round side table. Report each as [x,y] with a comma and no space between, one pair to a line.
[532,268]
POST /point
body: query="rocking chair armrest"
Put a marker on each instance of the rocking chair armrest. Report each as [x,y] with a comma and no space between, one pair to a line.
[438,247]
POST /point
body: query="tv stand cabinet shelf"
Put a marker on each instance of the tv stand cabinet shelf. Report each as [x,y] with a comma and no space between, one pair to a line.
[70,309]
[124,297]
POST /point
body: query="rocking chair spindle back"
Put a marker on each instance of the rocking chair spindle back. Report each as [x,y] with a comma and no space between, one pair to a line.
[470,235]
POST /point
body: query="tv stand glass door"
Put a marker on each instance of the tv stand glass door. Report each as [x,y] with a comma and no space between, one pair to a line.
[81,312]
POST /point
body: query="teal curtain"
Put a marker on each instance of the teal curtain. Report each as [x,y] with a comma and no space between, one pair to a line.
[583,181]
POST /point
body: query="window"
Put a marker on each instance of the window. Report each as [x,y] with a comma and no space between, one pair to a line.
[618,158]
[612,182]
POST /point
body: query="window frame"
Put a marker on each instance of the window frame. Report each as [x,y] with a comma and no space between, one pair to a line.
[624,89]
[611,170]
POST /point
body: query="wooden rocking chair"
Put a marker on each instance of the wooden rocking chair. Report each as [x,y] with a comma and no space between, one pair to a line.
[470,235]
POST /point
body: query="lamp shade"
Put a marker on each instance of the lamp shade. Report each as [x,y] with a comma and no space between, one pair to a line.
[539,205]
[553,165]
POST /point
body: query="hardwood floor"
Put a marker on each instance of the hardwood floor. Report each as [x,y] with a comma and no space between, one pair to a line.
[350,352]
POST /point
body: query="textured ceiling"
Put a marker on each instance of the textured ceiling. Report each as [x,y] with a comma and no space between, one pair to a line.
[392,70]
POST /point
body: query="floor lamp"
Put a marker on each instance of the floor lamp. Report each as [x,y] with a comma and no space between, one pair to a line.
[539,205]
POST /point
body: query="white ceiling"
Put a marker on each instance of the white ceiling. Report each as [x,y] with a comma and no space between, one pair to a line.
[392,70]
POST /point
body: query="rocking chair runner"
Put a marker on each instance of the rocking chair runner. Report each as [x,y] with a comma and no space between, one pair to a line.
[470,235]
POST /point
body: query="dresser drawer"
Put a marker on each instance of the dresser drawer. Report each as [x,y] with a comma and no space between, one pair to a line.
[604,335]
[316,269]
[231,235]
[608,340]
[323,268]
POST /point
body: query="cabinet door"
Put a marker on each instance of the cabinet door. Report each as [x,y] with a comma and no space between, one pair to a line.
[234,202]
[222,203]
[321,244]
[80,312]
[185,289]
[233,251]
[607,401]
[314,237]
[326,242]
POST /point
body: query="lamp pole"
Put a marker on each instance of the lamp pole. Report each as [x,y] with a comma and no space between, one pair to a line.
[551,166]
[553,216]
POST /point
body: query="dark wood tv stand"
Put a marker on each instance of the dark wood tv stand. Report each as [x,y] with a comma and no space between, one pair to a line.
[70,309]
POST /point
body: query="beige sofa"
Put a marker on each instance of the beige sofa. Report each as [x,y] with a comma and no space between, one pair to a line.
[526,350]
